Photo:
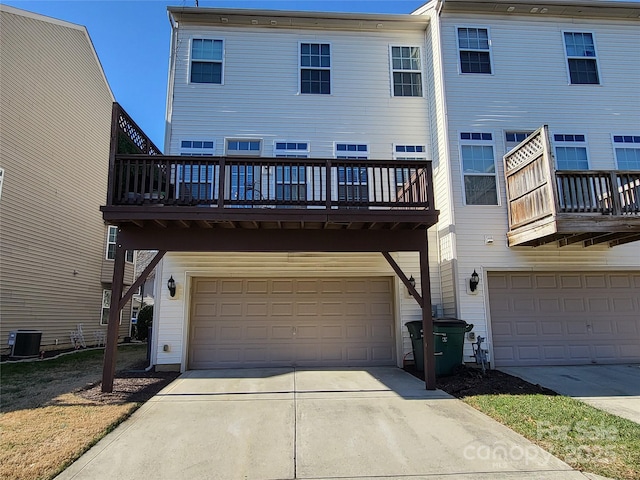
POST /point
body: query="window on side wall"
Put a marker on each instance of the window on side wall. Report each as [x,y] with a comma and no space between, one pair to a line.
[627,149]
[206,61]
[475,50]
[112,238]
[315,68]
[581,58]
[478,168]
[571,152]
[106,306]
[352,180]
[406,70]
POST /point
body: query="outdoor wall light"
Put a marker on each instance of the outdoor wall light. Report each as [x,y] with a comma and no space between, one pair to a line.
[171,285]
[412,282]
[474,281]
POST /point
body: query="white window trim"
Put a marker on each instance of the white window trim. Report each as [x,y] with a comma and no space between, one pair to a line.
[556,143]
[491,143]
[421,71]
[567,57]
[102,308]
[528,131]
[1,180]
[234,153]
[189,59]
[409,155]
[306,152]
[106,252]
[484,27]
[622,145]
[319,42]
[336,154]
[197,151]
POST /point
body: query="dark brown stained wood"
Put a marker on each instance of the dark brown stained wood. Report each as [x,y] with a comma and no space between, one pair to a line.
[403,278]
[546,205]
[111,346]
[427,319]
[140,280]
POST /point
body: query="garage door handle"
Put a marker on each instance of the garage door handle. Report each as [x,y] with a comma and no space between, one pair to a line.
[295,330]
[436,354]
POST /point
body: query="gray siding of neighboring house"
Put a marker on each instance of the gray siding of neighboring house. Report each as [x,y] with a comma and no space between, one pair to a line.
[55,112]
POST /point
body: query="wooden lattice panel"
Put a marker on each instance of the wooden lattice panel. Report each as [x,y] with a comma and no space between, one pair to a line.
[530,150]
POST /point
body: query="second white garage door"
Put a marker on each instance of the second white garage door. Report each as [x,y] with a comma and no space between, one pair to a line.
[565,318]
[291,322]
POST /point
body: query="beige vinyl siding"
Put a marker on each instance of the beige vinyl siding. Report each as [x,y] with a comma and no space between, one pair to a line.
[55,109]
[261,76]
[530,87]
[172,313]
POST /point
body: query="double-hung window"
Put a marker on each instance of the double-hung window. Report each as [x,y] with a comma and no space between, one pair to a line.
[581,58]
[196,181]
[206,60]
[627,149]
[407,152]
[475,50]
[571,152]
[291,180]
[478,168]
[315,68]
[112,239]
[406,69]
[352,180]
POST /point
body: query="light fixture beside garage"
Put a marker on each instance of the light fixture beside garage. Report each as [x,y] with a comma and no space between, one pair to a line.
[474,281]
[412,282]
[171,285]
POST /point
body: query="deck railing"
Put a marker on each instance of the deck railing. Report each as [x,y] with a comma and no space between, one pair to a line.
[596,191]
[248,182]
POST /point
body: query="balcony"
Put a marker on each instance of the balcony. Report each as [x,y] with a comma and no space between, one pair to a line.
[233,192]
[547,205]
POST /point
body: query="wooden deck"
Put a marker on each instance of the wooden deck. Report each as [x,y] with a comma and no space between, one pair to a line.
[546,205]
[147,188]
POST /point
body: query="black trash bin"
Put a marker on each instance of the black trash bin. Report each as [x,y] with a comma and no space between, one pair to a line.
[448,334]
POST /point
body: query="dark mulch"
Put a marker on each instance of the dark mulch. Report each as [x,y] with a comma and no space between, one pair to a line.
[467,381]
[133,385]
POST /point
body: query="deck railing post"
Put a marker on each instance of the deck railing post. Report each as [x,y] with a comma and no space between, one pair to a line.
[111,346]
[221,186]
[328,168]
[616,205]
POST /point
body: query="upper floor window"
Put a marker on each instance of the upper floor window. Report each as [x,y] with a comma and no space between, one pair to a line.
[291,149]
[627,151]
[244,146]
[475,50]
[407,152]
[581,58]
[112,239]
[406,69]
[315,68]
[571,152]
[189,148]
[206,60]
[478,168]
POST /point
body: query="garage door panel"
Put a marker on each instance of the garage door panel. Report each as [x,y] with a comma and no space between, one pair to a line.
[281,322]
[592,317]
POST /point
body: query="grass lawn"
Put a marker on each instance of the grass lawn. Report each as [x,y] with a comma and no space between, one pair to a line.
[44,424]
[586,438]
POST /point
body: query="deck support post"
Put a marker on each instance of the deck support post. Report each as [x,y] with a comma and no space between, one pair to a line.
[427,320]
[111,347]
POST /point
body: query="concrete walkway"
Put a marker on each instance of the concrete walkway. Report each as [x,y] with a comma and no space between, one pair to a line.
[612,388]
[311,424]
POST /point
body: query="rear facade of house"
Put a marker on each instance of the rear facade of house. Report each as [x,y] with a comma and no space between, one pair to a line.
[552,229]
[55,266]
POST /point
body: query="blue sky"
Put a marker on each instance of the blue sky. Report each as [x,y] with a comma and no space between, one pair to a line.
[132,40]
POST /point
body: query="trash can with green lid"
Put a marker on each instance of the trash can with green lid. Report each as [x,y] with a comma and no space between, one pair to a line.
[448,334]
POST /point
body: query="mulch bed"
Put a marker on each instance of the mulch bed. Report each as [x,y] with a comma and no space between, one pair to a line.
[467,381]
[133,385]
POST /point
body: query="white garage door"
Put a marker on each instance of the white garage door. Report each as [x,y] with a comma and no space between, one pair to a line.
[565,318]
[291,322]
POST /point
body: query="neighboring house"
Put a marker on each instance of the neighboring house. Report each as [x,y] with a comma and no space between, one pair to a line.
[144,293]
[292,136]
[55,111]
[559,276]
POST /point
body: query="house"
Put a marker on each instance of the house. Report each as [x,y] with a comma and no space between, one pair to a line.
[54,151]
[315,161]
[553,230]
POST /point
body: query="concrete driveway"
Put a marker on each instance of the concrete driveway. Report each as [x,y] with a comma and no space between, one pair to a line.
[612,388]
[311,424]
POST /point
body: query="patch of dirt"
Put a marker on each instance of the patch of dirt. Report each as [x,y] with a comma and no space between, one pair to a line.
[468,381]
[133,385]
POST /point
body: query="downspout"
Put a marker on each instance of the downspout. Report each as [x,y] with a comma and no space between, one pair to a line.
[170,80]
